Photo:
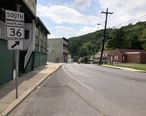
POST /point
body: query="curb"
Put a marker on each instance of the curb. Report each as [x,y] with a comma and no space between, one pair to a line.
[17,101]
[125,68]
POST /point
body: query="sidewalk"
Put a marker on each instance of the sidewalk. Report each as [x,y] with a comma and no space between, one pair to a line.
[26,84]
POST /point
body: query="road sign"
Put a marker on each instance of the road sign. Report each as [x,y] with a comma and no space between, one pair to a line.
[15,32]
[15,44]
[13,15]
[14,23]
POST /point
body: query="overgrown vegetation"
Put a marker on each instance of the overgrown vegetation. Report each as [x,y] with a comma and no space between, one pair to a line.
[127,37]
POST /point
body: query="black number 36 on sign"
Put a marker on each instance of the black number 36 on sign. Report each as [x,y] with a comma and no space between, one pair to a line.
[15,32]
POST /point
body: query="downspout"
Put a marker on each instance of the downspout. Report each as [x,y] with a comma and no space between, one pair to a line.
[33,42]
[62,51]
[33,34]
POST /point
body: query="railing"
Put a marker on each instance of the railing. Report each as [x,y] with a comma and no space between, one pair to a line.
[28,54]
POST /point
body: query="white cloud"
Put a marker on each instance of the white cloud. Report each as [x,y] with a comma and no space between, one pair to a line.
[70,15]
[86,30]
[67,32]
[63,14]
[124,10]
[81,4]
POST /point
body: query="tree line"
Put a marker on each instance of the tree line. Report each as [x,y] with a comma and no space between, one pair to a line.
[131,36]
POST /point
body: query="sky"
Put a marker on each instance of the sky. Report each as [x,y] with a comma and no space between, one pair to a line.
[71,18]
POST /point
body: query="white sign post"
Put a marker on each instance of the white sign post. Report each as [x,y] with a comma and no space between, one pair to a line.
[15,31]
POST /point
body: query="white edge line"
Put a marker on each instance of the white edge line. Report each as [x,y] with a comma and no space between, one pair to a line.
[77,80]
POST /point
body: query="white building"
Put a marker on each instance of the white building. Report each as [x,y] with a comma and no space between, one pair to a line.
[57,50]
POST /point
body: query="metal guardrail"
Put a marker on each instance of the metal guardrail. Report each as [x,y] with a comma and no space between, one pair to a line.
[28,54]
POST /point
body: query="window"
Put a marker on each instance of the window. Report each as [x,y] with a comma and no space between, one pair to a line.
[123,58]
[50,45]
[26,34]
[2,24]
[116,57]
[37,32]
[2,14]
[2,30]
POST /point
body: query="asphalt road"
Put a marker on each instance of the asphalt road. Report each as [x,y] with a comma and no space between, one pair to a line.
[87,90]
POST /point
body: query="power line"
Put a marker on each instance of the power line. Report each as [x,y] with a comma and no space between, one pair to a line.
[142,17]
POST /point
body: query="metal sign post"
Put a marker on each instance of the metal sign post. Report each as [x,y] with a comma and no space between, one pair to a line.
[15,32]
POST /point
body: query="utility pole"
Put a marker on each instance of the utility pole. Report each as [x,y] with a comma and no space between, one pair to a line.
[104,36]
[93,49]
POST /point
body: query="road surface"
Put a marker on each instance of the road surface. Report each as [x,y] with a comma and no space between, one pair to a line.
[87,90]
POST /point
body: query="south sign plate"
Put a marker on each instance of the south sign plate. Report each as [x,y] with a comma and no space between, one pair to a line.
[15,24]
[12,15]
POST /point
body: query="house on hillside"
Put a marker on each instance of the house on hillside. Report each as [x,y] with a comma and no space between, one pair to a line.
[127,56]
[98,55]
[104,56]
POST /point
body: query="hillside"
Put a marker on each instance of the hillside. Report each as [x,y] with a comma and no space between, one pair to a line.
[127,37]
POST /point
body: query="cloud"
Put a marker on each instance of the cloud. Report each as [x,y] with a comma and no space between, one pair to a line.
[81,4]
[67,32]
[63,14]
[86,30]
[124,10]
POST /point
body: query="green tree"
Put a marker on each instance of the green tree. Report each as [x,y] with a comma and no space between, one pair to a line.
[142,39]
[117,40]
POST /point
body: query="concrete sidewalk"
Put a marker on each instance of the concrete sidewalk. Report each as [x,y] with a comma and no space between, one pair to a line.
[26,84]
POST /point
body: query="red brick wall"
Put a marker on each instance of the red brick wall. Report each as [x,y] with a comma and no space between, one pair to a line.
[117,57]
[143,58]
[133,58]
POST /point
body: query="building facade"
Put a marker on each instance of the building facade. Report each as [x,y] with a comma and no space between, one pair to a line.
[58,50]
[34,52]
[127,56]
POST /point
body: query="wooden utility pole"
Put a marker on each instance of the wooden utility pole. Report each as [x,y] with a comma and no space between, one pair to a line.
[104,36]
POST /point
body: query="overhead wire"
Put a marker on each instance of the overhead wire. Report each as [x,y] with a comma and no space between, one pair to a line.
[130,21]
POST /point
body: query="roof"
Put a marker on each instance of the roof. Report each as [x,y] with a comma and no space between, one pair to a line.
[42,24]
[123,51]
[97,55]
[110,53]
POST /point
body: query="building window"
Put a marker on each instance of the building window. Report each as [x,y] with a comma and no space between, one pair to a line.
[123,58]
[26,34]
[2,30]
[116,57]
[36,32]
[2,14]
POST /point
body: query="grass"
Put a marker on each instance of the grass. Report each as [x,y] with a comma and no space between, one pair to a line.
[134,66]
